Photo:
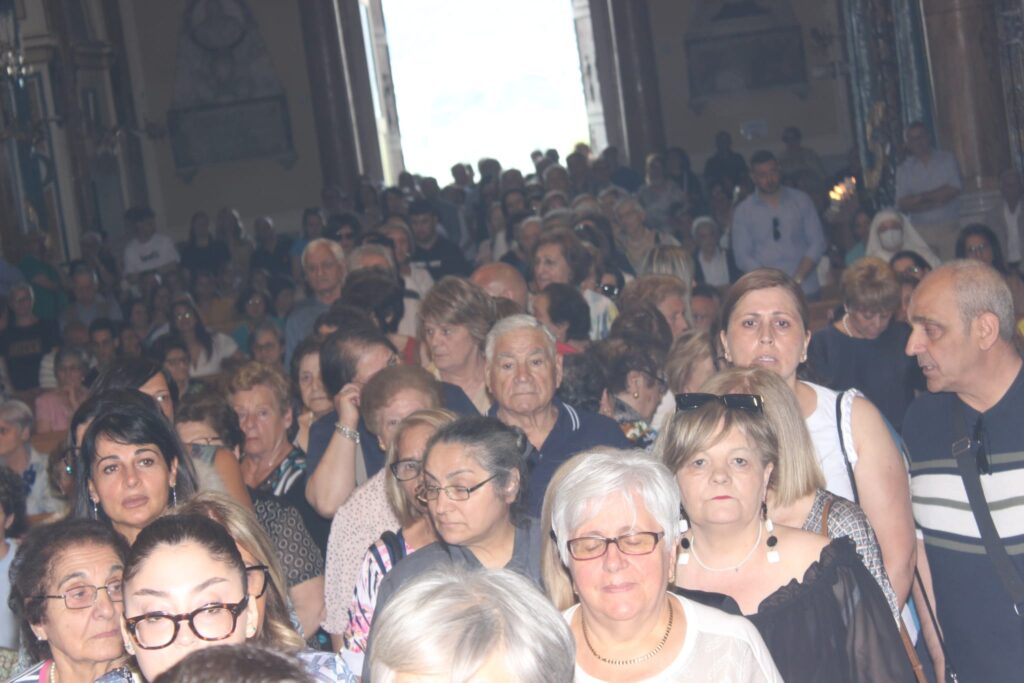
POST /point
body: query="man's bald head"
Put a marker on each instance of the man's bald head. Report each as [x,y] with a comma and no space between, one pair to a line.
[501,280]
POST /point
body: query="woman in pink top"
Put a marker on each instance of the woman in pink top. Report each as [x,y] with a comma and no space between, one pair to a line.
[55,407]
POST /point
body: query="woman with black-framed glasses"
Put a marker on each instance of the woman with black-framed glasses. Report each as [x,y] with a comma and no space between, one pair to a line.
[613,517]
[474,473]
[282,563]
[186,588]
[66,589]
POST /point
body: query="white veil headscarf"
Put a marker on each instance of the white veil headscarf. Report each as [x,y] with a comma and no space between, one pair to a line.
[912,240]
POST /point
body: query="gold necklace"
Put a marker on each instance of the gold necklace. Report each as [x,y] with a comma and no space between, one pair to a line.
[634,660]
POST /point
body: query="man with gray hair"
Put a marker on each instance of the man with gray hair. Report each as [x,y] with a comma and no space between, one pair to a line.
[965,440]
[522,374]
[323,265]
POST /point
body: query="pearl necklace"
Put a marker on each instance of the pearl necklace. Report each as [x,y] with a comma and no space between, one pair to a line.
[735,567]
[634,660]
[847,327]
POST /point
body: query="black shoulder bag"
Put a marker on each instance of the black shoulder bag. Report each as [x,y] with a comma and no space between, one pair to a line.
[970,459]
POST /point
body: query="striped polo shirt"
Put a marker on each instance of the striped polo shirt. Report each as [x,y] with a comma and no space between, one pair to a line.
[984,636]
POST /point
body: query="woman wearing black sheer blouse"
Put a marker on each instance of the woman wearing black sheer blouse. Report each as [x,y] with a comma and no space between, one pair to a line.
[820,612]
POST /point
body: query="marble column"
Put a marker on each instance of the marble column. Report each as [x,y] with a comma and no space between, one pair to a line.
[969,111]
[332,110]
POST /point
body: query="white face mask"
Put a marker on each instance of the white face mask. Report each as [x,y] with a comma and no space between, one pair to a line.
[891,240]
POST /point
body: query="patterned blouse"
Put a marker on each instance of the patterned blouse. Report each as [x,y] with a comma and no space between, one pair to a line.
[377,563]
[845,518]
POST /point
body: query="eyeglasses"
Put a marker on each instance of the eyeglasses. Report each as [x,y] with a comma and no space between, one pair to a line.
[593,547]
[753,403]
[258,575]
[187,315]
[977,249]
[404,470]
[156,630]
[207,441]
[457,493]
[82,597]
[776,234]
[610,291]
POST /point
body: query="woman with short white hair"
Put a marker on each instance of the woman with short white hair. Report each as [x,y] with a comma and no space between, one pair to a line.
[615,523]
[459,625]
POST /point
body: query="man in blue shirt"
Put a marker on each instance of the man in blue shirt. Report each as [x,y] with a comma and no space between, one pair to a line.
[963,339]
[523,372]
[777,227]
[323,264]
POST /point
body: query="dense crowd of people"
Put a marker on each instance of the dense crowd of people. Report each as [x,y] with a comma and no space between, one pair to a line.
[579,423]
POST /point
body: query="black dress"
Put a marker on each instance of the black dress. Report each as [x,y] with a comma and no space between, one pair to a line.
[833,627]
[878,367]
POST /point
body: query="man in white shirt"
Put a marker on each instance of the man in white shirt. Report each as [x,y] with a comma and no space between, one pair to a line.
[148,250]
[928,185]
[1007,219]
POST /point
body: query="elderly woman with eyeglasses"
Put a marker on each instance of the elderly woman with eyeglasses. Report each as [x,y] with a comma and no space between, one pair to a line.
[66,589]
[473,475]
[187,588]
[401,481]
[614,523]
[820,612]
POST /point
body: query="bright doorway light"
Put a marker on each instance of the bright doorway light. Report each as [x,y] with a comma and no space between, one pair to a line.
[476,78]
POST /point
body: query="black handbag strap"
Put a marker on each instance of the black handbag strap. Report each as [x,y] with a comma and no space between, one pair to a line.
[842,445]
[964,452]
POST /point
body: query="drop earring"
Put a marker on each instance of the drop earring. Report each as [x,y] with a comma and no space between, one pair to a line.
[684,542]
[773,541]
[95,510]
[174,498]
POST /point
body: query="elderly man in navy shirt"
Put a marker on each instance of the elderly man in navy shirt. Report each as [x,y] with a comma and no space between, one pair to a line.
[523,372]
[777,227]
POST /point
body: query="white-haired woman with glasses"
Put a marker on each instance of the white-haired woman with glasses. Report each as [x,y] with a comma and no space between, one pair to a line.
[472,483]
[186,588]
[401,481]
[462,625]
[819,610]
[615,526]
